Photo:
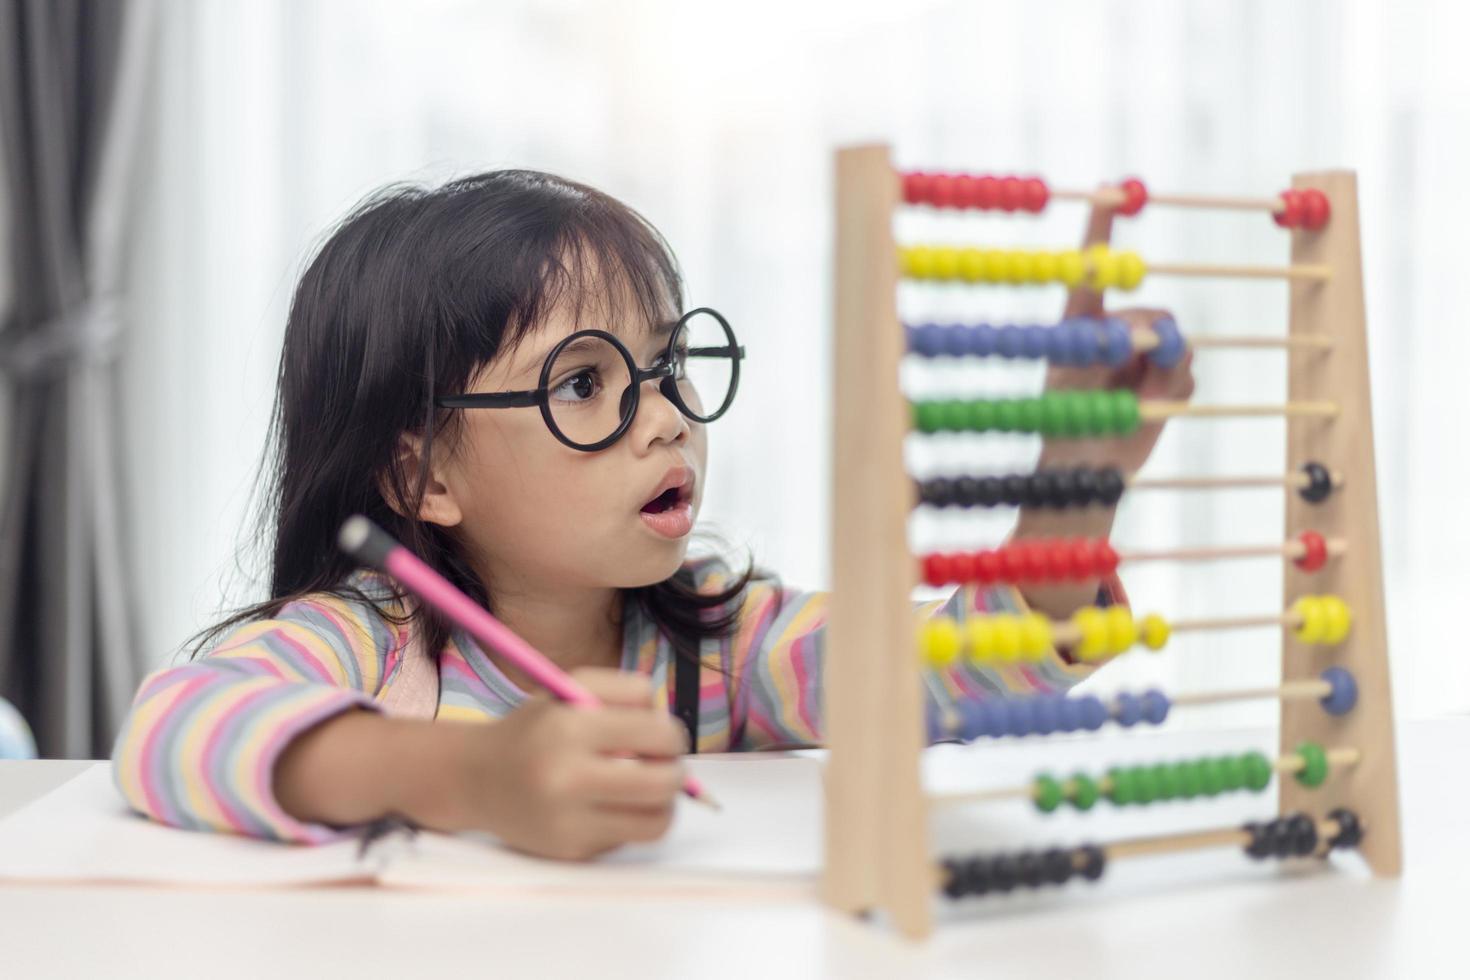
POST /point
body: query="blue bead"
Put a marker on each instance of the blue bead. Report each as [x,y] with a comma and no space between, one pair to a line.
[1155,706]
[1344,691]
[1094,712]
[982,340]
[1127,709]
[1009,343]
[1045,715]
[1170,350]
[1089,341]
[1033,342]
[927,340]
[1060,343]
[1117,341]
[972,720]
[1069,714]
[1020,719]
[910,338]
[956,341]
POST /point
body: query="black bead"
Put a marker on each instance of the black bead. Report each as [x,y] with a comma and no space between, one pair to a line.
[1278,832]
[977,876]
[988,494]
[1042,490]
[954,878]
[1029,870]
[1064,488]
[1093,861]
[966,490]
[1056,865]
[1260,845]
[1303,832]
[1085,481]
[1320,485]
[1349,829]
[1003,873]
[1013,489]
[1109,485]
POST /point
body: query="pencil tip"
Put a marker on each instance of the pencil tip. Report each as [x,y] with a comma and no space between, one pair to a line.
[708,801]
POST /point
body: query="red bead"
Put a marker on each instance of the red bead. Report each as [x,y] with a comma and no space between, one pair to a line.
[987,567]
[1315,554]
[987,192]
[1135,196]
[1012,564]
[964,190]
[915,185]
[935,568]
[1035,560]
[1035,194]
[1315,209]
[1105,556]
[962,567]
[941,191]
[1058,560]
[1083,564]
[1012,193]
[1290,215]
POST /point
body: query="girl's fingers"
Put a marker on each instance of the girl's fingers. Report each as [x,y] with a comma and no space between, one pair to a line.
[634,782]
[1082,301]
[648,734]
[618,824]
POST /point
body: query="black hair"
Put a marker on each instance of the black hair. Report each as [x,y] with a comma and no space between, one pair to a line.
[406,299]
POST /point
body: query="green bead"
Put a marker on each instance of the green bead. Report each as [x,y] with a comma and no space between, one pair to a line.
[982,415]
[1144,784]
[1257,771]
[1186,777]
[1074,404]
[956,415]
[1047,793]
[1165,781]
[1232,772]
[1122,790]
[1314,773]
[1084,791]
[1053,416]
[1028,414]
[1211,779]
[1100,413]
[926,417]
[1125,412]
[1007,415]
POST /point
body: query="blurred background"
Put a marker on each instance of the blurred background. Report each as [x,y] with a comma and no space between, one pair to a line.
[177,161]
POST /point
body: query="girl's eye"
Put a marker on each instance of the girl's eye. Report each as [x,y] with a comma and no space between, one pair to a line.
[581,386]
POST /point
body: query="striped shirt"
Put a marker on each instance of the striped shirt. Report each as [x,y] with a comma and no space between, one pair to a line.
[201,740]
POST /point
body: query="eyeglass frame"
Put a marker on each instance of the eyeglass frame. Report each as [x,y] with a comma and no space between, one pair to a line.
[668,386]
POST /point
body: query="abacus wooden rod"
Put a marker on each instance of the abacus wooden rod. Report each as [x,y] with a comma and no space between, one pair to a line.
[1296,481]
[1159,410]
[1196,269]
[1288,764]
[1313,689]
[1288,549]
[1109,197]
[1145,339]
[1068,634]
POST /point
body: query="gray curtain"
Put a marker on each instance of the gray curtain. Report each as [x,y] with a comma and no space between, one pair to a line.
[74,76]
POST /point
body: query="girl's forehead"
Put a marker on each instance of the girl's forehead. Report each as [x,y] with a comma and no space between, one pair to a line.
[624,320]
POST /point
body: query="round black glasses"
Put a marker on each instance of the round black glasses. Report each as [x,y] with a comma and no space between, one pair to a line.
[589,388]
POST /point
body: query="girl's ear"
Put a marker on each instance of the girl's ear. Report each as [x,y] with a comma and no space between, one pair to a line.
[438,505]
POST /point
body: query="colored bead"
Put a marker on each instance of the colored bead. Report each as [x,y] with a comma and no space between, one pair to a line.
[1069,714]
[1092,623]
[1003,873]
[1155,631]
[1187,780]
[1117,341]
[1145,785]
[917,261]
[1125,412]
[1314,551]
[1211,777]
[1093,862]
[1302,832]
[954,885]
[1056,866]
[1131,270]
[987,568]
[983,339]
[1084,791]
[1094,712]
[1290,215]
[914,184]
[1169,350]
[927,416]
[1104,558]
[1349,829]
[1028,869]
[1034,194]
[1028,414]
[1278,837]
[1006,639]
[1258,771]
[1260,843]
[1045,267]
[1337,619]
[1319,486]
[1012,193]
[940,642]
[1063,488]
[1122,631]
[1155,706]
[956,341]
[1035,636]
[1135,196]
[1044,714]
[1314,768]
[1316,209]
[1046,793]
[1344,694]
[941,190]
[1041,490]
[1312,619]
[1109,485]
[1033,342]
[946,263]
[1018,715]
[1127,709]
[1008,341]
[986,192]
[1103,266]
[1121,787]
[1070,267]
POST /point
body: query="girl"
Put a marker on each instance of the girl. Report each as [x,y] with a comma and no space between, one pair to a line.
[422,340]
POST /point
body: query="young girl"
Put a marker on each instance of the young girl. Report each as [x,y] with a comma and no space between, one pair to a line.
[459,365]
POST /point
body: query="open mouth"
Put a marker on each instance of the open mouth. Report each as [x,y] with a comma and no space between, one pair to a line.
[664,501]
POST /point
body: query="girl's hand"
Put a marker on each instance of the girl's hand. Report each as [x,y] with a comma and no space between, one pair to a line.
[566,782]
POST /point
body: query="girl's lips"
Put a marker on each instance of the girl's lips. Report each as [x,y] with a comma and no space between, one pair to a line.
[673,523]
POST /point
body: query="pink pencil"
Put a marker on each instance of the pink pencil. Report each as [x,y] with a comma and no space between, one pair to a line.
[371,545]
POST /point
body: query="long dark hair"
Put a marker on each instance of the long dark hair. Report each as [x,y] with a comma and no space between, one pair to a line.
[413,292]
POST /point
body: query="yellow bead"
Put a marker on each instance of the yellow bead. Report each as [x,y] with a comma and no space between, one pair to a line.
[1122,631]
[1092,623]
[1155,631]
[1337,619]
[972,265]
[940,642]
[1313,619]
[1044,267]
[917,261]
[996,263]
[980,639]
[1035,636]
[1016,267]
[946,263]
[1131,270]
[1070,267]
[1103,265]
[1007,638]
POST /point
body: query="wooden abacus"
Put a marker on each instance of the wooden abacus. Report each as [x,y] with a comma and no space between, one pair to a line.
[878,855]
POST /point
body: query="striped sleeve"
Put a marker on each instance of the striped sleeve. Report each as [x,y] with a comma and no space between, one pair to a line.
[776,658]
[199,746]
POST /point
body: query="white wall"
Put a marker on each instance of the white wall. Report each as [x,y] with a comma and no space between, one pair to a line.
[718,121]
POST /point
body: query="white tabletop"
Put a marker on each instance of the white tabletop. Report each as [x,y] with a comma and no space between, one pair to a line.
[1252,923]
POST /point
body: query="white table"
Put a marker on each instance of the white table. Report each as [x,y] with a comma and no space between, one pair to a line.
[1251,924]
